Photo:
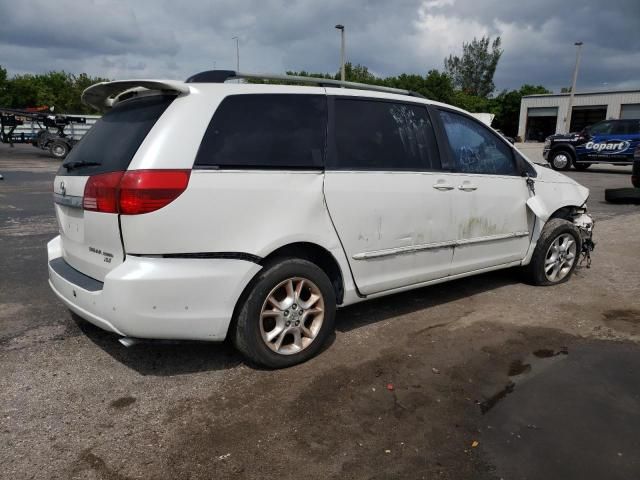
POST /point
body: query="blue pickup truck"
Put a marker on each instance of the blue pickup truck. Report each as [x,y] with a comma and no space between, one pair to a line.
[609,141]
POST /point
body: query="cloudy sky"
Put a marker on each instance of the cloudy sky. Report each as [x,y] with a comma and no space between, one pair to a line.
[173,39]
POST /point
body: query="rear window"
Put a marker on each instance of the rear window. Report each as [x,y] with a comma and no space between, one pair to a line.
[115,138]
[266,131]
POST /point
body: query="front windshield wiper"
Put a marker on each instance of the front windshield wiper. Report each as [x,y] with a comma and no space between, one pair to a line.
[80,163]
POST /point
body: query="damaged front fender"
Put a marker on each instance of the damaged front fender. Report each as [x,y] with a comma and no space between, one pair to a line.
[556,195]
[539,209]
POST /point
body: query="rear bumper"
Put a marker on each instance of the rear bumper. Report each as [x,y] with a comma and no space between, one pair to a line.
[150,297]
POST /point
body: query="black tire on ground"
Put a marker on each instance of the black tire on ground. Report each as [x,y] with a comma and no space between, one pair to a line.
[561,160]
[622,195]
[247,336]
[581,166]
[554,228]
[59,149]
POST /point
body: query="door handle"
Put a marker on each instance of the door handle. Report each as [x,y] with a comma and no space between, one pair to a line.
[467,188]
[443,187]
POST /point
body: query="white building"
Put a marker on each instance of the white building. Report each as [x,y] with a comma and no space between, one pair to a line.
[544,115]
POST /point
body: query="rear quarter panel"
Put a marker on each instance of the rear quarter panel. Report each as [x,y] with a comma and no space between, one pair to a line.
[252,212]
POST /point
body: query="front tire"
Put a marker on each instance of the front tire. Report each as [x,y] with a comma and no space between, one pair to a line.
[287,315]
[560,160]
[556,254]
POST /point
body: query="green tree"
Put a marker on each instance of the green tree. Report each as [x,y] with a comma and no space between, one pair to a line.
[471,103]
[358,73]
[60,90]
[4,87]
[438,86]
[473,72]
[435,85]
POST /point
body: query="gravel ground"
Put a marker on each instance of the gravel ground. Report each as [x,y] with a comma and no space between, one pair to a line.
[480,378]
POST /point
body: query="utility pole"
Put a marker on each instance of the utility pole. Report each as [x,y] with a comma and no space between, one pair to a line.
[341,28]
[567,125]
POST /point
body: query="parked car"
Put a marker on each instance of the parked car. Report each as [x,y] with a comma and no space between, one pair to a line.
[609,142]
[635,170]
[202,210]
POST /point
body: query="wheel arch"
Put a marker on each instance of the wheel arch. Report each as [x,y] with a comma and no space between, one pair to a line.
[317,255]
[566,213]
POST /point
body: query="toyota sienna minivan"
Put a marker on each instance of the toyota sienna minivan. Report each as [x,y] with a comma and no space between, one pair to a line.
[205,210]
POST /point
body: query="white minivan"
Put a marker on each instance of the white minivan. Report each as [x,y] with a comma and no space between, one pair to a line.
[202,210]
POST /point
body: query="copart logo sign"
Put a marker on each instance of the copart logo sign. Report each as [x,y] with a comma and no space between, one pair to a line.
[610,146]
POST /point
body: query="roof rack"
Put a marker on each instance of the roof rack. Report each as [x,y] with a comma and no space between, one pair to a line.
[221,76]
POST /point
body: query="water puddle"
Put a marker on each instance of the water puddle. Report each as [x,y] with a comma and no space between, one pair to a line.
[523,369]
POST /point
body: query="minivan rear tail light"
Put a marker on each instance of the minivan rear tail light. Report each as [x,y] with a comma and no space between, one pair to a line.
[134,192]
[101,192]
[144,191]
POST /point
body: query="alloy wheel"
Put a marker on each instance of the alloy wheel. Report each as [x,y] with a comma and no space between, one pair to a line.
[292,316]
[560,257]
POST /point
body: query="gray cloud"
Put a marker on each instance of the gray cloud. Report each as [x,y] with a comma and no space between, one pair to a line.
[163,38]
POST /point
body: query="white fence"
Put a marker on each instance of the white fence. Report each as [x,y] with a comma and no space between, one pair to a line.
[75,130]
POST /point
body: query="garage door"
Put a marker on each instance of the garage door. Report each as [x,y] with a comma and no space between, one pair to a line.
[630,110]
[584,116]
[541,122]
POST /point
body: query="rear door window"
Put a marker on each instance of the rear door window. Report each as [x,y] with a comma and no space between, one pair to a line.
[475,148]
[266,131]
[110,145]
[381,135]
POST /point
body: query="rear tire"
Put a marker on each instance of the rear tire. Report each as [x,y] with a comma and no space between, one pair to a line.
[560,160]
[581,166]
[556,254]
[287,315]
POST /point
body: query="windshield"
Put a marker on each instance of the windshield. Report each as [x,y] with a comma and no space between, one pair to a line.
[113,141]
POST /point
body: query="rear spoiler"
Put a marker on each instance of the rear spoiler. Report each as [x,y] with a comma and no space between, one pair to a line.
[103,95]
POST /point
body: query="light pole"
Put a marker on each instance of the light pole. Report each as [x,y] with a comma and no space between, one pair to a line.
[567,125]
[237,52]
[341,28]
